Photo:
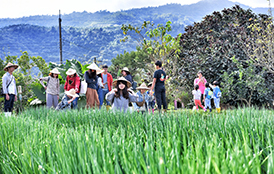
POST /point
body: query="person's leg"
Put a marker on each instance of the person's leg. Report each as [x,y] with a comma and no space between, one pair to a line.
[12,99]
[55,101]
[200,104]
[88,98]
[196,104]
[104,96]
[202,98]
[100,96]
[49,100]
[96,99]
[163,95]
[158,98]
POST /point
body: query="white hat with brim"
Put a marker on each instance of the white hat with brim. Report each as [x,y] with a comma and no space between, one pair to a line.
[126,69]
[143,86]
[10,65]
[71,93]
[121,79]
[55,71]
[94,67]
[99,71]
[70,71]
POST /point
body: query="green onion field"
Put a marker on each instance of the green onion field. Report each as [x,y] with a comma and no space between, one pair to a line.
[45,141]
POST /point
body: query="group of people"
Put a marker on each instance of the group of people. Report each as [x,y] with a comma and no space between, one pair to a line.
[203,93]
[117,94]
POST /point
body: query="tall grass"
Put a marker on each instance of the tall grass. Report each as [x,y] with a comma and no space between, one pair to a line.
[43,141]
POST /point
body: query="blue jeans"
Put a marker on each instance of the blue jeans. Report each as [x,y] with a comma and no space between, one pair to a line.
[100,96]
[105,91]
[75,102]
[217,102]
[207,103]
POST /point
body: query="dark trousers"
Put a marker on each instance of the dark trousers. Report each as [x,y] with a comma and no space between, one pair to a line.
[8,105]
[160,94]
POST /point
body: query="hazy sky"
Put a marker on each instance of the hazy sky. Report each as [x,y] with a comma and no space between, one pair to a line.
[20,8]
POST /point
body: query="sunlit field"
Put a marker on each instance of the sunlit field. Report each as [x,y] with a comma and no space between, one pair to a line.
[43,141]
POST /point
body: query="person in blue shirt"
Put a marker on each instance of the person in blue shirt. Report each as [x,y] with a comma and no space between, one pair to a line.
[66,101]
[217,95]
[208,96]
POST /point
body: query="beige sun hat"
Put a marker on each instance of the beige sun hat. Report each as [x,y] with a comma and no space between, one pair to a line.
[94,67]
[70,71]
[143,86]
[126,69]
[121,79]
[10,65]
[55,71]
[99,71]
[71,93]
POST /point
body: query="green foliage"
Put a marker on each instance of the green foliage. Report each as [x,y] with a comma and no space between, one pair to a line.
[46,141]
[209,46]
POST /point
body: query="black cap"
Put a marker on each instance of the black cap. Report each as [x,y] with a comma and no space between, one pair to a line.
[105,66]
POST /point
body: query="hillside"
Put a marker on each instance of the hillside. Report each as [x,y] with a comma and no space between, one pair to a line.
[86,35]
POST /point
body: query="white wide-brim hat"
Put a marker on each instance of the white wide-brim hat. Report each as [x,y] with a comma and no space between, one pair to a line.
[121,79]
[55,71]
[10,65]
[126,69]
[70,71]
[94,67]
[71,93]
[99,71]
[143,86]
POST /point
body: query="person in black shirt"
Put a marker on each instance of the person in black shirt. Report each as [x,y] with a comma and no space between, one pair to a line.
[126,73]
[159,78]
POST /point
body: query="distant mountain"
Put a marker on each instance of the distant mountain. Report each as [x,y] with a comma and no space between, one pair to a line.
[86,35]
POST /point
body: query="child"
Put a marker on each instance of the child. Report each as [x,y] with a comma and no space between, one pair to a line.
[217,95]
[208,96]
[141,105]
[121,95]
[197,97]
[100,88]
[68,98]
[151,99]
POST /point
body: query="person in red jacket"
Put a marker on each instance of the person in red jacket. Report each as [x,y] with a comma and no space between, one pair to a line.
[73,82]
[107,81]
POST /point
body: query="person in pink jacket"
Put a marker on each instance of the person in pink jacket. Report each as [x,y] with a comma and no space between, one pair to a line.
[200,81]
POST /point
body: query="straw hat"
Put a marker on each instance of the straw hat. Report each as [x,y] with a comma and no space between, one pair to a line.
[55,71]
[143,86]
[71,93]
[93,66]
[70,71]
[99,71]
[126,69]
[10,65]
[121,79]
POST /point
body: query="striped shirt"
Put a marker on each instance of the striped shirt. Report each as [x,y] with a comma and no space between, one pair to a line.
[53,85]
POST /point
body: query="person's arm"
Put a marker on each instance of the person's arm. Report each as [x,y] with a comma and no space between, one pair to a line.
[110,95]
[4,84]
[66,84]
[111,81]
[153,83]
[88,80]
[42,80]
[77,84]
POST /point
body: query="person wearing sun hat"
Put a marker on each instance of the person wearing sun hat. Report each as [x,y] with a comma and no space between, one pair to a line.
[92,79]
[52,87]
[73,82]
[121,95]
[126,73]
[141,104]
[66,101]
[9,88]
[100,88]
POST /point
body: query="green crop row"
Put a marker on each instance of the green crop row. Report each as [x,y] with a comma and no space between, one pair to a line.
[45,141]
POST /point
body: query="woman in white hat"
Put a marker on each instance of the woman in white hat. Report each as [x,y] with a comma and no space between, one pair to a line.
[73,82]
[52,87]
[92,79]
[67,100]
[9,88]
[121,95]
[141,104]
[127,75]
